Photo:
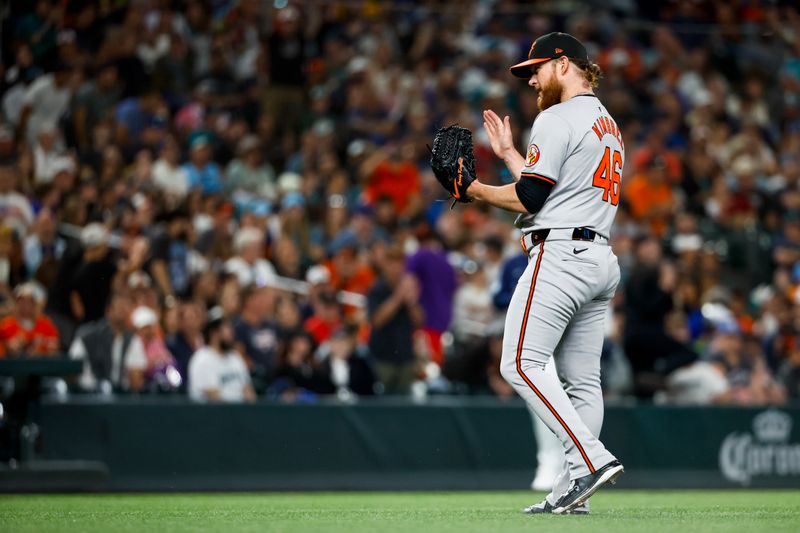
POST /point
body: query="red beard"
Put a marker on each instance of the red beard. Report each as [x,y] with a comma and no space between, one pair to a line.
[550,94]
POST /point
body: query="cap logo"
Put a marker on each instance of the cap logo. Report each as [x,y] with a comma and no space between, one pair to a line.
[530,53]
[559,50]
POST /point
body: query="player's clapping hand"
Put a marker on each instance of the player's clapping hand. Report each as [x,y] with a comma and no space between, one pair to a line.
[499,131]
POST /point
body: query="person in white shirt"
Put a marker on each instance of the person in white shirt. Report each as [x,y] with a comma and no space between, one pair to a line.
[217,373]
[248,265]
[168,175]
[45,101]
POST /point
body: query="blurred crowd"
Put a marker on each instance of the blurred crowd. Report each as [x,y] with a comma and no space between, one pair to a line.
[231,199]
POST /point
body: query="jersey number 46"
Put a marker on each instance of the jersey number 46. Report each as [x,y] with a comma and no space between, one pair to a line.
[608,175]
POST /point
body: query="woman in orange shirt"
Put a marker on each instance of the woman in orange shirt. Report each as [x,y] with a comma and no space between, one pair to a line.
[28,332]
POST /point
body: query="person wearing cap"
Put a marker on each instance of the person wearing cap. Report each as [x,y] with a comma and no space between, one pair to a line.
[249,265]
[566,190]
[27,332]
[100,271]
[91,284]
[348,270]
[249,172]
[203,172]
[147,331]
[217,372]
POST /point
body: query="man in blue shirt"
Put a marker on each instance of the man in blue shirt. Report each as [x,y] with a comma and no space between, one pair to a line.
[202,171]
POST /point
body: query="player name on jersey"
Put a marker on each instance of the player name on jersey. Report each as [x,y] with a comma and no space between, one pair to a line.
[605,125]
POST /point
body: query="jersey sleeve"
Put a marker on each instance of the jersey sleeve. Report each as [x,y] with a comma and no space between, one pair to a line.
[202,376]
[547,148]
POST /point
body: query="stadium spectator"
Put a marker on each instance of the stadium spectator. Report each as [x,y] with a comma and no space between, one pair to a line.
[346,369]
[296,376]
[171,178]
[27,332]
[437,281]
[44,248]
[15,208]
[650,196]
[169,264]
[348,270]
[95,100]
[159,360]
[326,316]
[473,309]
[218,373]
[741,362]
[113,358]
[100,271]
[189,337]
[249,265]
[790,375]
[395,313]
[649,299]
[248,172]
[476,370]
[256,335]
[203,172]
[45,102]
[137,119]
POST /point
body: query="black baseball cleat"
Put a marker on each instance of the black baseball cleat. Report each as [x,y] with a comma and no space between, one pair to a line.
[544,507]
[582,488]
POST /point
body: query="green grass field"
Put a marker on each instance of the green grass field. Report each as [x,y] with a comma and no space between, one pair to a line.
[618,511]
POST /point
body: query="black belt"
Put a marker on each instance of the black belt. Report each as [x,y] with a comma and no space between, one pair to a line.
[529,240]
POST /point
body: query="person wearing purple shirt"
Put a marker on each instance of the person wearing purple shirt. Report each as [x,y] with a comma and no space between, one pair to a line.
[437,280]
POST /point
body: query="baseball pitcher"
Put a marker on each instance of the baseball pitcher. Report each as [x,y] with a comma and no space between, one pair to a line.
[567,188]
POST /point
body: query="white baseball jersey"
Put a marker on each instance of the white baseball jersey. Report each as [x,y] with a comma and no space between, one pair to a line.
[577,147]
[211,370]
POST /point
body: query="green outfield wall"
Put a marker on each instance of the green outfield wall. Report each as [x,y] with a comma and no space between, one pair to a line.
[448,443]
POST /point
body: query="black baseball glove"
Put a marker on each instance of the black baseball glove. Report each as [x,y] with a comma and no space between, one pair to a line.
[453,162]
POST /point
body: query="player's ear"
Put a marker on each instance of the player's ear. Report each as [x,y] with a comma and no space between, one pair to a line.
[563,65]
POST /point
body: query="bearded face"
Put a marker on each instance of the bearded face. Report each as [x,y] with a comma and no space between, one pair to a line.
[550,92]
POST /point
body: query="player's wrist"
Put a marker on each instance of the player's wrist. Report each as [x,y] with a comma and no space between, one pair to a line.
[474,190]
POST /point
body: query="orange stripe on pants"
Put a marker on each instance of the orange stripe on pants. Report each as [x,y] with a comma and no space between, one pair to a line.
[528,381]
